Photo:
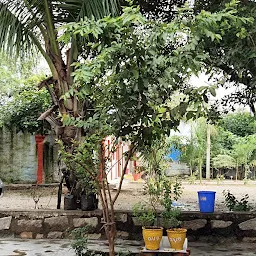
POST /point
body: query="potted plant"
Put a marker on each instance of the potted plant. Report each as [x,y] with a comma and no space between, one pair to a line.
[88,192]
[82,190]
[148,213]
[176,235]
[138,170]
[171,222]
[152,234]
[160,190]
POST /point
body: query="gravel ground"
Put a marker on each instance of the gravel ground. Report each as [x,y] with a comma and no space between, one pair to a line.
[131,193]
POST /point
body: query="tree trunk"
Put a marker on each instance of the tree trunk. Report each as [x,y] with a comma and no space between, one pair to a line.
[107,205]
[200,171]
[208,153]
[236,171]
[111,239]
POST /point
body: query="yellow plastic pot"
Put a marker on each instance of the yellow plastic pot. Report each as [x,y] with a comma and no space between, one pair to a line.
[152,237]
[177,237]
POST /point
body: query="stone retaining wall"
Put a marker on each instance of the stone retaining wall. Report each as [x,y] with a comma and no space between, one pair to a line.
[57,223]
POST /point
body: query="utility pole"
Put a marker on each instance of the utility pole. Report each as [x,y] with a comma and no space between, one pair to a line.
[208,152]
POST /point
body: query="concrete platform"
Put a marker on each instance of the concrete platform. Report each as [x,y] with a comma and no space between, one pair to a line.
[41,247]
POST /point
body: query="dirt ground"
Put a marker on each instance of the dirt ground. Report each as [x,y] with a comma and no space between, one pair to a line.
[131,193]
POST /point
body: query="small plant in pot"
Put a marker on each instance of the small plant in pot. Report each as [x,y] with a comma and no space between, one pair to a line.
[89,200]
[147,216]
[171,222]
[159,188]
[86,190]
[176,235]
[137,172]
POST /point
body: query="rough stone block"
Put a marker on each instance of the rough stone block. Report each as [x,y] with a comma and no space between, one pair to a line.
[194,224]
[249,239]
[122,234]
[56,223]
[94,236]
[248,225]
[5,223]
[220,223]
[55,235]
[39,236]
[122,217]
[26,235]
[28,225]
[80,222]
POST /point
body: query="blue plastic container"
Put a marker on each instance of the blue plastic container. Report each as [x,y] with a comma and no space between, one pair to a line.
[206,201]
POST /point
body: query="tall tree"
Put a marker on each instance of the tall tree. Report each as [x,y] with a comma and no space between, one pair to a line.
[241,123]
[208,152]
[199,131]
[235,59]
[29,25]
[21,106]
[136,72]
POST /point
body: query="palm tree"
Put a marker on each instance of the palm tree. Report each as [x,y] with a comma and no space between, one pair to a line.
[29,25]
[199,131]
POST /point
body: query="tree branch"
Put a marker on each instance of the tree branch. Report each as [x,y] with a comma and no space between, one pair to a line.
[130,153]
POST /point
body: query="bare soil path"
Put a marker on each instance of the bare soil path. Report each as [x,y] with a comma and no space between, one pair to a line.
[132,193]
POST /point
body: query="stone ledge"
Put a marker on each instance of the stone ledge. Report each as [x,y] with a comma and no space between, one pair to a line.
[194,224]
[220,223]
[248,225]
[97,213]
[55,223]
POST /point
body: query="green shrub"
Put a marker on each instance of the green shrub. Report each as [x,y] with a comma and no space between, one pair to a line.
[234,205]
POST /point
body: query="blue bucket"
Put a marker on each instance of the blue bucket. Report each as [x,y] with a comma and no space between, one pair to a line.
[206,201]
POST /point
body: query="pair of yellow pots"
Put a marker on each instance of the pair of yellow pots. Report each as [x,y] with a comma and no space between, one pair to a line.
[153,236]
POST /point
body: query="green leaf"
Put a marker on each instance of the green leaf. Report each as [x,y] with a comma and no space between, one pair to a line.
[212,91]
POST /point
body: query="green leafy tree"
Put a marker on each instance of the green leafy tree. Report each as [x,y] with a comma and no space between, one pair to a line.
[234,58]
[223,161]
[240,124]
[242,152]
[20,101]
[22,105]
[224,141]
[188,154]
[12,72]
[132,86]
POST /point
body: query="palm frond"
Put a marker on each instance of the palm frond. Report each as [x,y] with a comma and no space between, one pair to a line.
[22,21]
[16,27]
[74,10]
